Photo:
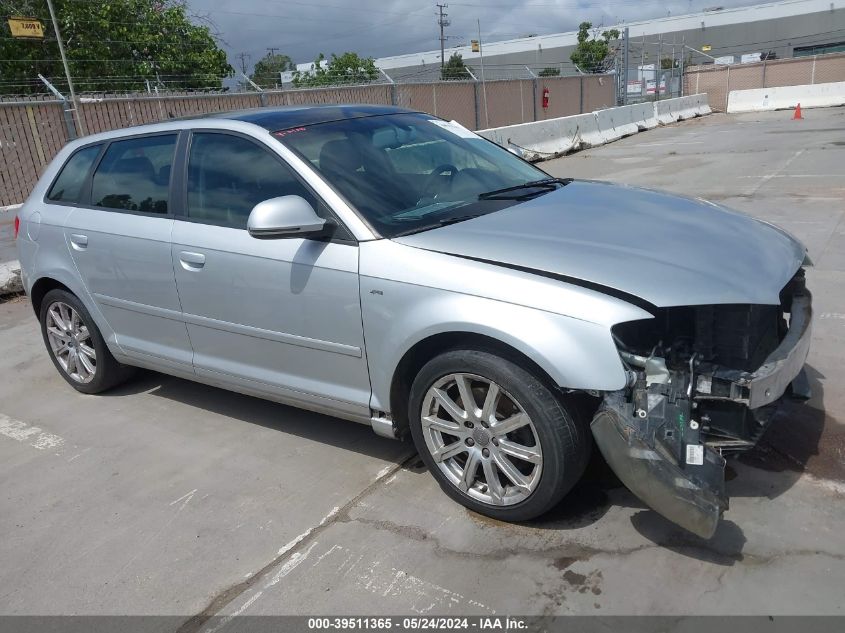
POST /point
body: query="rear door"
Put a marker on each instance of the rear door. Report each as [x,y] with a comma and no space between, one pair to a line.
[119,238]
[280,316]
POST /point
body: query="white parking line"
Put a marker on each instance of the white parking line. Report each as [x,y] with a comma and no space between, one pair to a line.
[296,559]
[667,143]
[32,435]
[776,172]
[291,544]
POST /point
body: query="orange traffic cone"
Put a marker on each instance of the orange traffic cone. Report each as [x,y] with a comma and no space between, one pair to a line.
[797,115]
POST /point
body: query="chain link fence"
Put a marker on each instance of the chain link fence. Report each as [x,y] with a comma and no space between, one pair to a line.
[33,130]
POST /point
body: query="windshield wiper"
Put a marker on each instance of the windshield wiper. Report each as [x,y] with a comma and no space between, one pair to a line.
[439,223]
[546,185]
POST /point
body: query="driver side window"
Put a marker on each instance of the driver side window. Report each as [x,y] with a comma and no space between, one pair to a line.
[228,175]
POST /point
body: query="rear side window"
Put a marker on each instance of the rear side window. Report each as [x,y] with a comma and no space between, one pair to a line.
[134,175]
[68,185]
[228,175]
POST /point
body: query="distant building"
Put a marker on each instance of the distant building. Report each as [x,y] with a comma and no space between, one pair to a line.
[775,30]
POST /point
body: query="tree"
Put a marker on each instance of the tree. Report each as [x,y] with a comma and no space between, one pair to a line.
[590,54]
[114,46]
[267,69]
[549,72]
[348,68]
[455,68]
[667,63]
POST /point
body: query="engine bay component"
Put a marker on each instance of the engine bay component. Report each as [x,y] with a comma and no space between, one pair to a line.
[706,382]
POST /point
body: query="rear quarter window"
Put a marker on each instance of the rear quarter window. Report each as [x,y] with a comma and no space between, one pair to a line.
[134,174]
[68,185]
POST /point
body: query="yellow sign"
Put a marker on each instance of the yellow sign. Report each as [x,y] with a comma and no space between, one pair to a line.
[26,27]
[707,48]
[475,47]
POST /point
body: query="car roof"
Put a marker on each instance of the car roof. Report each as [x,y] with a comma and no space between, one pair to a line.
[286,117]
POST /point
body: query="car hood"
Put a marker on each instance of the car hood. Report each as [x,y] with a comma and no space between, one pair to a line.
[665,249]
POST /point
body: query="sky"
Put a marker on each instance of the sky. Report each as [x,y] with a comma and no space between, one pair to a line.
[376,28]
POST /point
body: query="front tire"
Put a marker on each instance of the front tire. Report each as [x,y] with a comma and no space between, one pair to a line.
[496,438]
[76,346]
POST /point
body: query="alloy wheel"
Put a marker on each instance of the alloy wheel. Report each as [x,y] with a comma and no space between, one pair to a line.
[70,342]
[481,439]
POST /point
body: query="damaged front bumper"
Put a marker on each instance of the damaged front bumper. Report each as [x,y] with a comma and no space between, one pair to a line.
[657,433]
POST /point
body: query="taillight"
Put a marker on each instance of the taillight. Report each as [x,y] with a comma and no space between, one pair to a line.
[17,226]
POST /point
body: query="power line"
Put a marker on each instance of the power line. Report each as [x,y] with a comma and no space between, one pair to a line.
[244,57]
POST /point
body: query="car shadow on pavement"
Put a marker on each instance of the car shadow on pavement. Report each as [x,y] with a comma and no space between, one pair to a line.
[597,491]
[343,434]
[723,548]
[801,439]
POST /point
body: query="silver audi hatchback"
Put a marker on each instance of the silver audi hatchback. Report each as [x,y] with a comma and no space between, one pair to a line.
[394,269]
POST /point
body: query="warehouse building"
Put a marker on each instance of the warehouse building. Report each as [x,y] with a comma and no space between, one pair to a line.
[774,30]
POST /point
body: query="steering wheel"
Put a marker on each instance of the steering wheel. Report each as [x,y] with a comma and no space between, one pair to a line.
[433,178]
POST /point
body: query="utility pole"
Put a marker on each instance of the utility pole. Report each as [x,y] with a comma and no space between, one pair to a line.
[244,57]
[483,84]
[272,50]
[659,67]
[73,99]
[624,72]
[641,73]
[443,22]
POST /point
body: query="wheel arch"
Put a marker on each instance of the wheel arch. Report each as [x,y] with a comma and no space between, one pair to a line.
[40,289]
[423,351]
[58,278]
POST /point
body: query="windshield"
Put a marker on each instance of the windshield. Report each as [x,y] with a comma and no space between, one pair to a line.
[406,172]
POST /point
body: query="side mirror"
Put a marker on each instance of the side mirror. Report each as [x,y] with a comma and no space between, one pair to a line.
[285,217]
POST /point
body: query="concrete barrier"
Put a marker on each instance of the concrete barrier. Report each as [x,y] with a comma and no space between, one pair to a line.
[546,139]
[687,107]
[644,116]
[10,278]
[663,112]
[702,105]
[784,97]
[681,108]
[555,137]
[616,123]
[590,133]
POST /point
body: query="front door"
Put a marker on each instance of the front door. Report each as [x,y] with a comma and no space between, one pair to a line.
[281,316]
[119,239]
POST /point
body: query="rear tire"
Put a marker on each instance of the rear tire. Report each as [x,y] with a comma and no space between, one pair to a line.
[511,456]
[76,346]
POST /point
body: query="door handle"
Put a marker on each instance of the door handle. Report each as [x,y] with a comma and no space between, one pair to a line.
[191,261]
[78,241]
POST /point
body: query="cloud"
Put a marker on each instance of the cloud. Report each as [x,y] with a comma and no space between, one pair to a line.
[303,29]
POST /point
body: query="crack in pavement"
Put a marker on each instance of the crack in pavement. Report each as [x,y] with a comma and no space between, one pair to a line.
[225,597]
[573,553]
[569,552]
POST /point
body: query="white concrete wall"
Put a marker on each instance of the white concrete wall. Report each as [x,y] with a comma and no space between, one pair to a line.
[546,139]
[765,99]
